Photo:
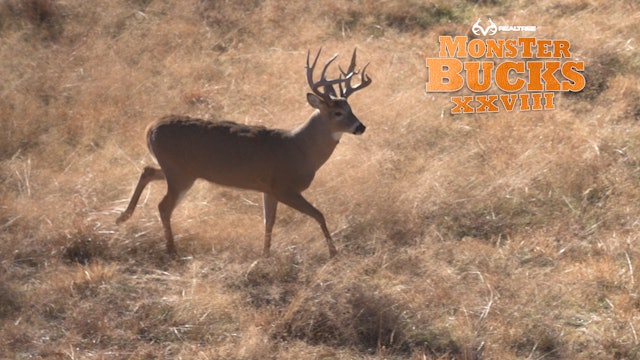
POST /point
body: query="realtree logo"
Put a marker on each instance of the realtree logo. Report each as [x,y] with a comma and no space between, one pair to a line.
[489,30]
[531,72]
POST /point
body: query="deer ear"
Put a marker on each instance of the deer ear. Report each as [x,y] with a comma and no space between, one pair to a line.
[314,100]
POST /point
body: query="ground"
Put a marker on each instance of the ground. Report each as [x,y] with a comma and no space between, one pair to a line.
[510,235]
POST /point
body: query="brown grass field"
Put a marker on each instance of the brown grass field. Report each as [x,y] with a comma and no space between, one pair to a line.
[512,235]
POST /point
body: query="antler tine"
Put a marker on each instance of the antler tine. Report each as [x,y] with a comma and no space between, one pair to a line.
[352,66]
[329,91]
[326,66]
[365,80]
[310,70]
[314,61]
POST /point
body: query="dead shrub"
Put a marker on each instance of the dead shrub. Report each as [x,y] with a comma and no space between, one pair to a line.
[84,249]
[488,219]
[377,319]
[362,316]
[598,74]
[316,317]
[540,340]
[405,17]
[44,15]
[10,300]
[229,17]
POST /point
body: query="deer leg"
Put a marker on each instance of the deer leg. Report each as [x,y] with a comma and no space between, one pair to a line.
[175,191]
[270,204]
[148,174]
[298,202]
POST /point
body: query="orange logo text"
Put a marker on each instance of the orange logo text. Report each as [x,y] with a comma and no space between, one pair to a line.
[523,73]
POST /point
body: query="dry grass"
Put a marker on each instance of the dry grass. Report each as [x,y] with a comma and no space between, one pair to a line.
[501,236]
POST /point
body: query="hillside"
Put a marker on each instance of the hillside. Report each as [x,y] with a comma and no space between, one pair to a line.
[508,235]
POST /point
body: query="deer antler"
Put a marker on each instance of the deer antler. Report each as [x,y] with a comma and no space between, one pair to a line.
[365,80]
[329,91]
[344,78]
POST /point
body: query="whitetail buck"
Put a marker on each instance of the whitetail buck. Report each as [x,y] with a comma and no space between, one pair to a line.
[280,164]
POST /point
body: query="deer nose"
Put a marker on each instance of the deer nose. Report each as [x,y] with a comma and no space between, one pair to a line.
[359,129]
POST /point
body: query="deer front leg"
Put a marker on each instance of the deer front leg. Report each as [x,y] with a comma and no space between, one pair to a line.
[298,202]
[270,204]
[166,207]
[176,188]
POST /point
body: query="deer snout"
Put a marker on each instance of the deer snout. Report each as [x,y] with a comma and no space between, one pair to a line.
[360,128]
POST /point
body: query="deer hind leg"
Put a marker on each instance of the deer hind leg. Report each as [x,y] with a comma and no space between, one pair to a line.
[298,202]
[148,174]
[270,204]
[175,191]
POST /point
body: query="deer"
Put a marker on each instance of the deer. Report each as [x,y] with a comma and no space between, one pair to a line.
[280,164]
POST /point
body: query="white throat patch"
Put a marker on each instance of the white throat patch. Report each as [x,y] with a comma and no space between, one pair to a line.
[336,135]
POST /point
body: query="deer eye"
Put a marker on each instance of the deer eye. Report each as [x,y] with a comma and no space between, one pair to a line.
[337,113]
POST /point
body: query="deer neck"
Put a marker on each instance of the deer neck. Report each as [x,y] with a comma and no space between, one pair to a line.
[316,140]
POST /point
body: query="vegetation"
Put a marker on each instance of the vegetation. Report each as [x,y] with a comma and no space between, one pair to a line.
[499,236]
